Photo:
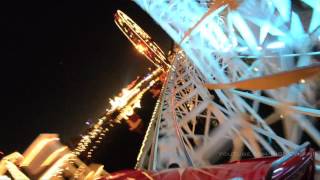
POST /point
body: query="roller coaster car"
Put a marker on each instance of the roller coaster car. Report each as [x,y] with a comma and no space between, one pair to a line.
[298,165]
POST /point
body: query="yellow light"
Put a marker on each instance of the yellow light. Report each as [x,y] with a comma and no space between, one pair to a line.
[15,172]
[125,103]
[54,169]
[53,156]
[145,44]
[141,48]
[302,81]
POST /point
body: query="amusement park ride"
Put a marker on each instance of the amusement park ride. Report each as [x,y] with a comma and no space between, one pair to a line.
[239,98]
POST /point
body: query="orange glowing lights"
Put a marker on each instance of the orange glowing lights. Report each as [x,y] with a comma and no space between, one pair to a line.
[141,48]
[141,40]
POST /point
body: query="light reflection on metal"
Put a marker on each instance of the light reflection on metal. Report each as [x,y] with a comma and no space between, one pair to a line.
[53,156]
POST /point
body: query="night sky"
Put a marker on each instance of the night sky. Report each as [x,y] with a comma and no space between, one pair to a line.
[60,62]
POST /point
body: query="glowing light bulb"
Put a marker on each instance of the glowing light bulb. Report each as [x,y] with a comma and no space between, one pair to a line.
[302,81]
[141,48]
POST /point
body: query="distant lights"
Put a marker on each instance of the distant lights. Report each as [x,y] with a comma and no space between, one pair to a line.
[129,98]
[302,81]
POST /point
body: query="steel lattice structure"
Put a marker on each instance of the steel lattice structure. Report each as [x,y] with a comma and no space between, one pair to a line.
[184,129]
[225,42]
[238,68]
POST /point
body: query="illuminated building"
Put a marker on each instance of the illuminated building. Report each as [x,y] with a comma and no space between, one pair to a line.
[46,158]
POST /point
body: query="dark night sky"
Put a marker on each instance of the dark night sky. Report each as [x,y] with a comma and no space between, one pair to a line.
[60,63]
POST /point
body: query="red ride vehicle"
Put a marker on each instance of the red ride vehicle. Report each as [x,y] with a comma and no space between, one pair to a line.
[298,165]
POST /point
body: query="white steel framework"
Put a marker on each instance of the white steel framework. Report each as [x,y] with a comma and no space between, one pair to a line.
[226,42]
[192,126]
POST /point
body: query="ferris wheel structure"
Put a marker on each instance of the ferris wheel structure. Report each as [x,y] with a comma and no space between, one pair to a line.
[244,82]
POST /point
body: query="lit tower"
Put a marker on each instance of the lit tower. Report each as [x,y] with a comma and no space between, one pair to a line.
[123,105]
[121,108]
[141,40]
[243,66]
